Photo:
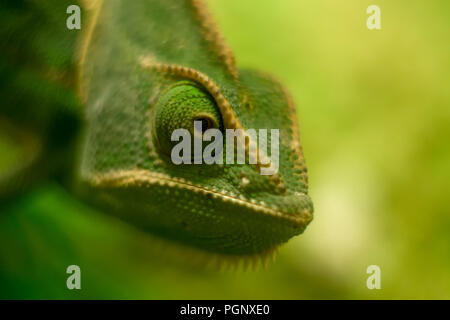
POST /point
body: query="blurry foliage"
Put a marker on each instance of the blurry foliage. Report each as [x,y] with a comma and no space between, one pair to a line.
[374,111]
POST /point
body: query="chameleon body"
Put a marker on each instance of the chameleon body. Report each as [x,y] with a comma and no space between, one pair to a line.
[141,69]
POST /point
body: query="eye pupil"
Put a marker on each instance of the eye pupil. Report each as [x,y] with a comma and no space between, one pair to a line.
[205,124]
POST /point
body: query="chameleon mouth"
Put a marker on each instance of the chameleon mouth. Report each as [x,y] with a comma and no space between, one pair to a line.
[147,179]
[196,215]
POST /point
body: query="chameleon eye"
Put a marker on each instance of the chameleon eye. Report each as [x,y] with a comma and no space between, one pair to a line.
[178,107]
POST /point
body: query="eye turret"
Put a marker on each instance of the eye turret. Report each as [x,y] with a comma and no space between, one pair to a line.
[178,107]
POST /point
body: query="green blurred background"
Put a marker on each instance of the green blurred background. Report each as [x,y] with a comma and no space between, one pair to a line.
[374,112]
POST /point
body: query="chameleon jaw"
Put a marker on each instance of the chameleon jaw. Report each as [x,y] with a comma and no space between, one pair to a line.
[144,178]
[194,215]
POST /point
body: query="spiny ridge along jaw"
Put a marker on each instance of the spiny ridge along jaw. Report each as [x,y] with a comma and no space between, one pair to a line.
[144,178]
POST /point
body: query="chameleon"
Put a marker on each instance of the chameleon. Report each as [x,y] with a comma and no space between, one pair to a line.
[94,110]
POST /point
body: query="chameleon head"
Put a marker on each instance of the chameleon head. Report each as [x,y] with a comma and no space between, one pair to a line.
[145,77]
[224,208]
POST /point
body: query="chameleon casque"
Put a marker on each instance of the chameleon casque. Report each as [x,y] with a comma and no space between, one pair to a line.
[95,108]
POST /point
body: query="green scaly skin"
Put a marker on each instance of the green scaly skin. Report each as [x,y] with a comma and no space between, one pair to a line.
[139,79]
